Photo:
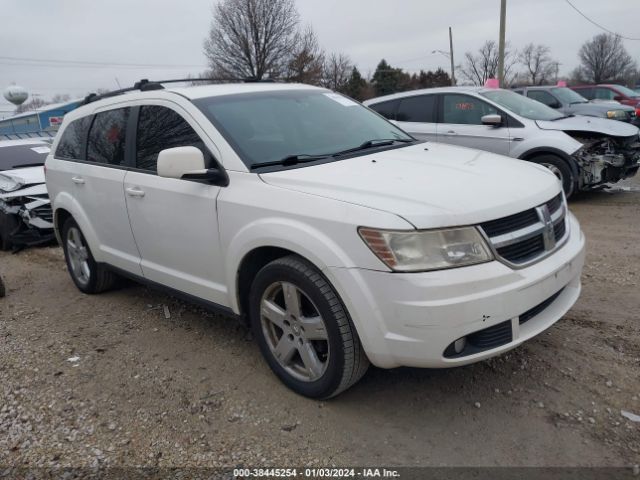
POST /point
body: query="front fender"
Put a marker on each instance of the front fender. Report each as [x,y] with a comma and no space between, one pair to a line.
[295,236]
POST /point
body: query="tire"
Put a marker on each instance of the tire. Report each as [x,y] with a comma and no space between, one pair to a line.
[88,276]
[2,288]
[8,225]
[320,352]
[561,169]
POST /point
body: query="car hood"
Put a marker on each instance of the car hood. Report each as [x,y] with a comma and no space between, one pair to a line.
[430,185]
[599,107]
[11,180]
[589,124]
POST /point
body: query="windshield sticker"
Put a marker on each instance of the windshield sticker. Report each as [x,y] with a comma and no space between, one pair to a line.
[347,102]
[41,149]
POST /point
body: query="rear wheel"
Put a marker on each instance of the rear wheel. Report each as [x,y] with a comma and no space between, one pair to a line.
[303,329]
[8,226]
[88,276]
[561,169]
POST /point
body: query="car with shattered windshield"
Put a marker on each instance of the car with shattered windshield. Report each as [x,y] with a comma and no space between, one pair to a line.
[341,239]
[25,210]
[583,152]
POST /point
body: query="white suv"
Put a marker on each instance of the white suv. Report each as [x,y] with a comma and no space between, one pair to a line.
[340,238]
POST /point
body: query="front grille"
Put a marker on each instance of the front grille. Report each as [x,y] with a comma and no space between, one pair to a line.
[44,212]
[524,237]
[538,309]
[522,251]
[554,204]
[559,230]
[510,223]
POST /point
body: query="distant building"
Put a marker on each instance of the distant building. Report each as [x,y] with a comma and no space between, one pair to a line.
[43,122]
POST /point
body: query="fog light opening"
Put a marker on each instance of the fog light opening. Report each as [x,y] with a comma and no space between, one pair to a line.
[458,345]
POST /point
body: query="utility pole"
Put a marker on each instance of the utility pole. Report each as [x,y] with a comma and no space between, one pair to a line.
[453,70]
[503,15]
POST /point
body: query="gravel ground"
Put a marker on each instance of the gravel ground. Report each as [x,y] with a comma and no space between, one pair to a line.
[134,377]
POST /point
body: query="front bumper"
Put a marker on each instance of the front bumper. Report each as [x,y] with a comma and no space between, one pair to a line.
[410,319]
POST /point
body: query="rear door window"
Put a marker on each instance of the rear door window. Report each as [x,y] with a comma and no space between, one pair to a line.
[160,128]
[107,137]
[420,108]
[74,137]
[386,109]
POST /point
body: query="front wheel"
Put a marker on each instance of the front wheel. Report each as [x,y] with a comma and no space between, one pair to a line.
[303,329]
[561,169]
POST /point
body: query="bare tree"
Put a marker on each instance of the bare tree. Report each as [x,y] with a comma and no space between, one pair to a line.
[251,38]
[60,98]
[480,66]
[32,105]
[307,62]
[538,62]
[337,70]
[604,59]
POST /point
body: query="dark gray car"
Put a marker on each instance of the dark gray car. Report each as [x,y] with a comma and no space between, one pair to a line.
[569,102]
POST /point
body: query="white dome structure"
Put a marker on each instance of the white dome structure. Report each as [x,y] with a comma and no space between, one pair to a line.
[16,94]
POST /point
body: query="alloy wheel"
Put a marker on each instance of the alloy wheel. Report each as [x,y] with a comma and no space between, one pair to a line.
[295,331]
[78,256]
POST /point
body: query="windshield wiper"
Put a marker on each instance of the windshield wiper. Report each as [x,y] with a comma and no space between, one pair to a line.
[27,165]
[577,103]
[377,142]
[290,160]
[562,117]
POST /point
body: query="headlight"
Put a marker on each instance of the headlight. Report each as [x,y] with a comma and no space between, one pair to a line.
[615,114]
[414,251]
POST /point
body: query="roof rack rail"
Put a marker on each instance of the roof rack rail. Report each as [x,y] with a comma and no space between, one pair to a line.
[146,85]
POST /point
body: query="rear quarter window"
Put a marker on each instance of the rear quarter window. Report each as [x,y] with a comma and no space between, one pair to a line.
[71,146]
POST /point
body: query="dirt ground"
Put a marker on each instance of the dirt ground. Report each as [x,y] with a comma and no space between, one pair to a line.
[110,380]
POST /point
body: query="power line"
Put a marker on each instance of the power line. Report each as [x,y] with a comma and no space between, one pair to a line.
[78,63]
[598,25]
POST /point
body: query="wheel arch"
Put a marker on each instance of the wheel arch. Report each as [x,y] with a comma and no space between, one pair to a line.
[532,153]
[65,206]
[252,262]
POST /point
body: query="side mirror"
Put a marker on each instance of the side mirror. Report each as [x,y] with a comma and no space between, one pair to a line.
[213,176]
[188,163]
[555,104]
[618,98]
[493,119]
[175,162]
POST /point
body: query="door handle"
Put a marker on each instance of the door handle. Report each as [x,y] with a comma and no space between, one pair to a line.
[134,192]
[451,132]
[77,180]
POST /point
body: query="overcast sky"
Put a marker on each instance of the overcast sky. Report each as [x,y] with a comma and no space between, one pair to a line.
[167,35]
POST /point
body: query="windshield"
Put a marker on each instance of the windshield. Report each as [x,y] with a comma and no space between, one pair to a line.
[626,91]
[568,96]
[19,156]
[267,127]
[523,106]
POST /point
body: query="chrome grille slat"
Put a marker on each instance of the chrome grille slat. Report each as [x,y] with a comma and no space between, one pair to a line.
[518,240]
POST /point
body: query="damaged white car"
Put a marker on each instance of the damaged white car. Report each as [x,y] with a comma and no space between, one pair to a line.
[583,152]
[25,210]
